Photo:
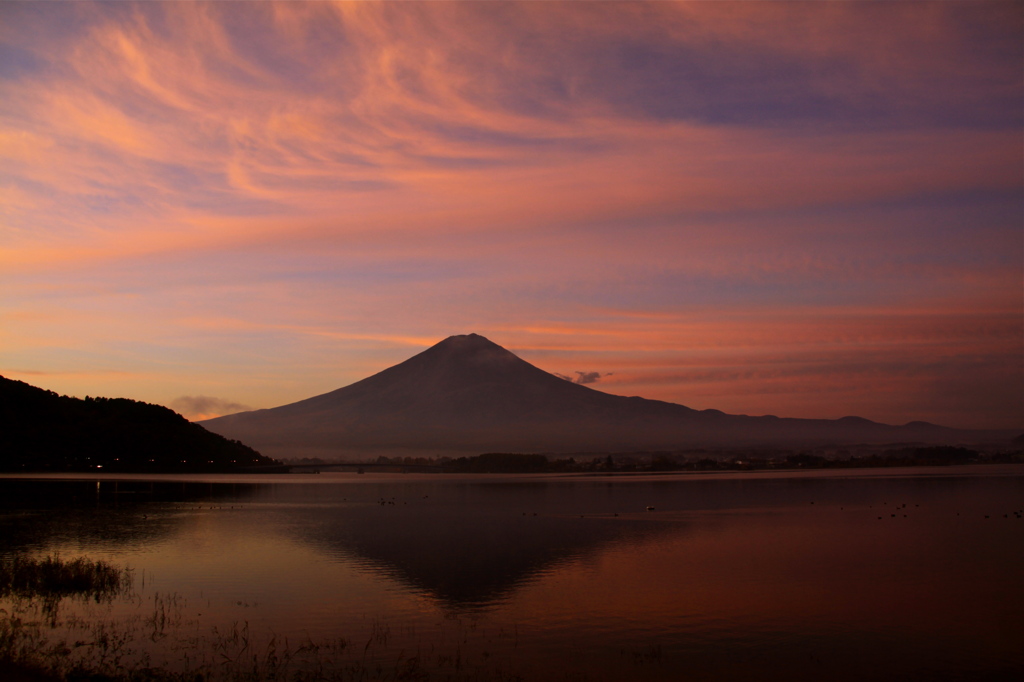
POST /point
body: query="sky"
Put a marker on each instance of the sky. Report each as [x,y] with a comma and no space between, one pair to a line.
[800,209]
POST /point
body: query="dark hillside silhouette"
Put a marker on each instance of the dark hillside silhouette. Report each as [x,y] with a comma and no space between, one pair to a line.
[467,395]
[43,431]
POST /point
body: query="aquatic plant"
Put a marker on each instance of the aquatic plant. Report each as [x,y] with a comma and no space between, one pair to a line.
[162,642]
[164,645]
[52,579]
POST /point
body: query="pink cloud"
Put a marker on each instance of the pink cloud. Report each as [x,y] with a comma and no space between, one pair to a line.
[736,199]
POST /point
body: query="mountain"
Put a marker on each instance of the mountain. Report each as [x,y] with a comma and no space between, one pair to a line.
[467,395]
[43,431]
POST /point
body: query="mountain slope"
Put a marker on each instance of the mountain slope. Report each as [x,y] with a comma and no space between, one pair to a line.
[469,395]
[43,431]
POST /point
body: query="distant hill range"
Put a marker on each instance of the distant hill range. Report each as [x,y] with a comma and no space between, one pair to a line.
[43,431]
[467,395]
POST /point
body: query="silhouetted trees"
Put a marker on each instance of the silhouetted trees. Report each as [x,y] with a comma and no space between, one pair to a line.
[43,431]
[499,463]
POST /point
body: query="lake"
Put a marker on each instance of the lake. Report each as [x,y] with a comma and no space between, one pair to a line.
[909,574]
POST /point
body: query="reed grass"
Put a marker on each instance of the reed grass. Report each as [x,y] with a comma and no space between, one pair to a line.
[160,643]
[55,578]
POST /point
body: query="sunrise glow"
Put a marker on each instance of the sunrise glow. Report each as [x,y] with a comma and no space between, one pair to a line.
[800,209]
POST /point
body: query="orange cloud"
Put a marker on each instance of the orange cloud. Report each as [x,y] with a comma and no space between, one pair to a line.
[698,193]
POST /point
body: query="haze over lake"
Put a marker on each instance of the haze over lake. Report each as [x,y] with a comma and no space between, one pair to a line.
[882,574]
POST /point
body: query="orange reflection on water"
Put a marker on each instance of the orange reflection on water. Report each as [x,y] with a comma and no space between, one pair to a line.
[819,578]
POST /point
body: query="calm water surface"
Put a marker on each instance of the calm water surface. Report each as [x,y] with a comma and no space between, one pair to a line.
[912,574]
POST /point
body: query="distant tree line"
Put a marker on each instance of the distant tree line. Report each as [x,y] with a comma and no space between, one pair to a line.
[752,460]
[499,463]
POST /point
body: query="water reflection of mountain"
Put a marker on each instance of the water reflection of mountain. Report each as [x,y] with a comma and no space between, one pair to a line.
[470,545]
[466,561]
[468,542]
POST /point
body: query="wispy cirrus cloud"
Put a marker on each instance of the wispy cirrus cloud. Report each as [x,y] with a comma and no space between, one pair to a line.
[317,181]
